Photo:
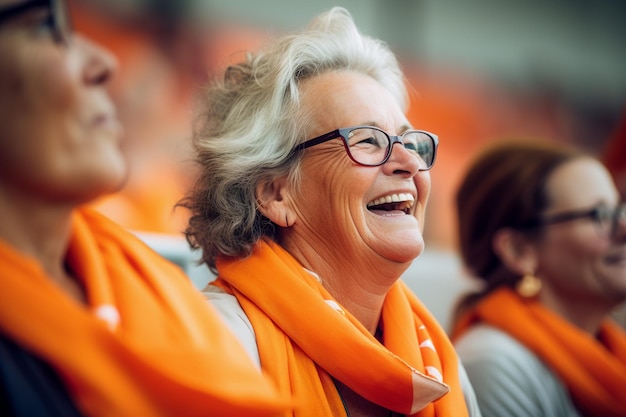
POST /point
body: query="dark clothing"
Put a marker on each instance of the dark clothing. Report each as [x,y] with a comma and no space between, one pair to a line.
[29,387]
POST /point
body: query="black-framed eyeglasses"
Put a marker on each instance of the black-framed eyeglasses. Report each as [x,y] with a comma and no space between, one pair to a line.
[60,21]
[371,146]
[607,220]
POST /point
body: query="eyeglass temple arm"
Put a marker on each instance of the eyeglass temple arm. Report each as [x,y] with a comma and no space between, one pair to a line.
[315,141]
[564,217]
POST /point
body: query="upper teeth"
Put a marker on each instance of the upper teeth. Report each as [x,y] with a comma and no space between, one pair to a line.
[393,198]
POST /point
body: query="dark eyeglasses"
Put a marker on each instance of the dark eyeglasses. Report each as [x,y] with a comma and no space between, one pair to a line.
[370,146]
[59,16]
[607,220]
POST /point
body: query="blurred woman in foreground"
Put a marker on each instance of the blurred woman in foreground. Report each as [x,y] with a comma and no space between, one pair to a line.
[92,322]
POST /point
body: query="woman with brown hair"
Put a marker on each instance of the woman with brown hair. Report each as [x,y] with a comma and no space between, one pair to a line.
[542,227]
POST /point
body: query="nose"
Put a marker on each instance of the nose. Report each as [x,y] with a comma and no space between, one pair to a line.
[99,65]
[401,161]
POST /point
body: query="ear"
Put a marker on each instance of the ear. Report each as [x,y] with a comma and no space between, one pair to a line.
[274,202]
[515,251]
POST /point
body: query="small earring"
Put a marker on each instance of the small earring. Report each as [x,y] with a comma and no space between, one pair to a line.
[529,286]
[287,221]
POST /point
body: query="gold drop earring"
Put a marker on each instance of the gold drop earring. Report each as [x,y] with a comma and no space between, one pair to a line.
[528,286]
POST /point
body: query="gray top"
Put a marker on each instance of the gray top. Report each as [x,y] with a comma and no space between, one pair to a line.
[509,380]
[235,318]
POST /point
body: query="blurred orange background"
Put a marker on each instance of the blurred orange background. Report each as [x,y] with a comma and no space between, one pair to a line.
[164,63]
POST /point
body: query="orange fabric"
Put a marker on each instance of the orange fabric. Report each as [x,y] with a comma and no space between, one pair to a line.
[304,342]
[167,355]
[594,370]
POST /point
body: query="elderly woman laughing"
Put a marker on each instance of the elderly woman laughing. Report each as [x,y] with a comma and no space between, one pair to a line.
[309,206]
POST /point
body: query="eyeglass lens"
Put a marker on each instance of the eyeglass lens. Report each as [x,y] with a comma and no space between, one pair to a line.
[609,220]
[618,219]
[369,146]
[61,17]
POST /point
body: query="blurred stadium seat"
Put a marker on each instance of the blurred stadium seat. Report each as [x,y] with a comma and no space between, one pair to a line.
[176,249]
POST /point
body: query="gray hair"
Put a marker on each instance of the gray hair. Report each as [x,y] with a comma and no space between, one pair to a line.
[250,121]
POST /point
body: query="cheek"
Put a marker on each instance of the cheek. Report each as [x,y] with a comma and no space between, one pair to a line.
[36,121]
[574,258]
[13,87]
[423,185]
[333,189]
[328,169]
[56,91]
[18,119]
[38,90]
[50,75]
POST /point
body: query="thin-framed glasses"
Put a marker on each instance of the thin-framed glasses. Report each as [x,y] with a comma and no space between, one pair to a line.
[60,22]
[371,146]
[606,220]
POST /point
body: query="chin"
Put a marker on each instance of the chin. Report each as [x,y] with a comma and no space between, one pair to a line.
[406,252]
[102,183]
[115,172]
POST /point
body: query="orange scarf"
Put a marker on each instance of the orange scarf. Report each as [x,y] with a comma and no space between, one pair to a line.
[305,340]
[147,344]
[594,370]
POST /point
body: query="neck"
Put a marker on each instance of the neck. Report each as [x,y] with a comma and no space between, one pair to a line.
[38,231]
[362,301]
[357,280]
[586,313]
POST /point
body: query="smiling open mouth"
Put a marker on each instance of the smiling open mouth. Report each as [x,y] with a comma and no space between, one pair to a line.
[394,202]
